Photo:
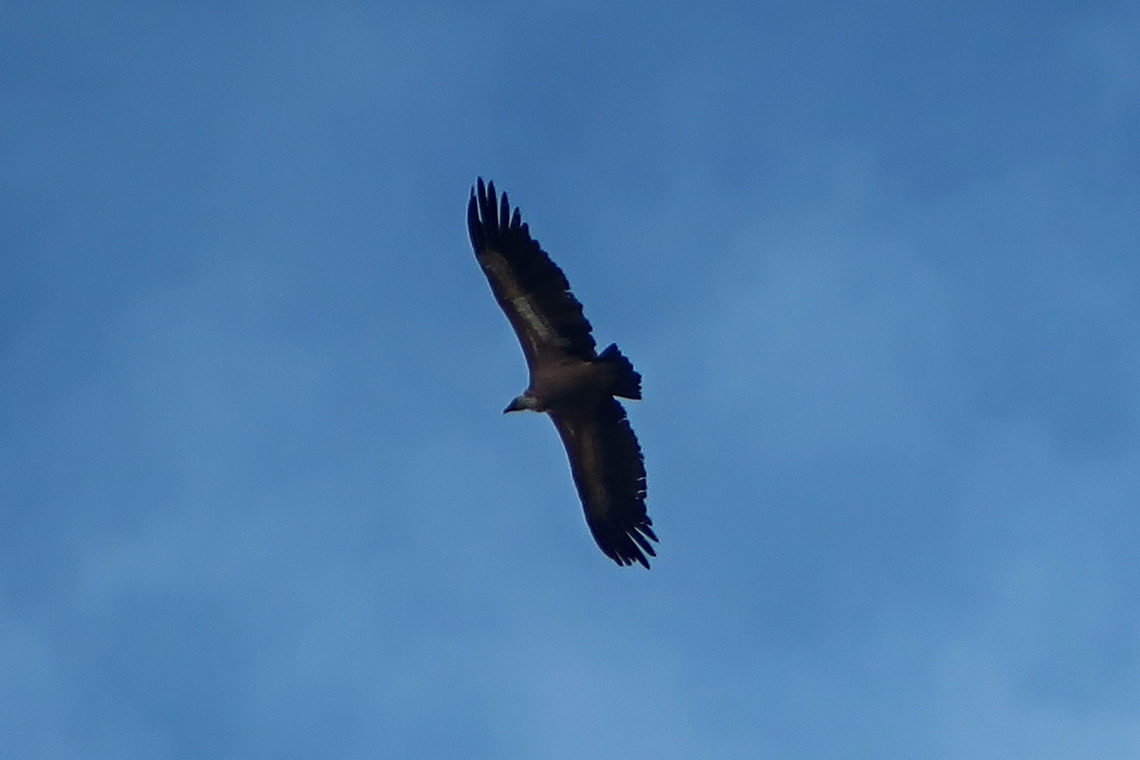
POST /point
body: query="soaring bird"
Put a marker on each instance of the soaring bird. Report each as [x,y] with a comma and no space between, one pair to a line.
[569,380]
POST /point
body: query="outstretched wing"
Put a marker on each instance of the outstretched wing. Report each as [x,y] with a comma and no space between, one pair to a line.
[529,287]
[610,475]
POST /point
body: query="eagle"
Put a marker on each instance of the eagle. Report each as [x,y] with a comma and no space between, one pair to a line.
[569,380]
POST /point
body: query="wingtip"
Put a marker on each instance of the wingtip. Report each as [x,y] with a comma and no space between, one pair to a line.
[634,549]
[474,227]
[637,559]
[642,560]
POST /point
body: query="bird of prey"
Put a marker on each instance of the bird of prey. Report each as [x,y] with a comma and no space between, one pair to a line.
[569,380]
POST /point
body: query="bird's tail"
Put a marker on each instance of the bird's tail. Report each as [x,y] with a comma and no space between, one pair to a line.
[627,382]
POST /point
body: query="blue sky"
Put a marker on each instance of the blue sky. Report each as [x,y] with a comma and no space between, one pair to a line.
[877,264]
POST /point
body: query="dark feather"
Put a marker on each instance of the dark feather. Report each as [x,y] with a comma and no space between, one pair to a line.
[609,473]
[517,267]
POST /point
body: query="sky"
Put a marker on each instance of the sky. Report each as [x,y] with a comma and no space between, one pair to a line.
[876,262]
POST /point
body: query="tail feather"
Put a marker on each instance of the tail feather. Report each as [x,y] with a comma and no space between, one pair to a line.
[627,382]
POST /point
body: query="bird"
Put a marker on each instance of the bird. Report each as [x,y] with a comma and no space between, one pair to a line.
[569,380]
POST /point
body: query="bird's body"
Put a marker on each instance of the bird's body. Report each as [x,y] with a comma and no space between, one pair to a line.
[570,384]
[569,380]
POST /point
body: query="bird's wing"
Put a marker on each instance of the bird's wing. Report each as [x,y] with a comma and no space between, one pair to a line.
[530,288]
[609,472]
